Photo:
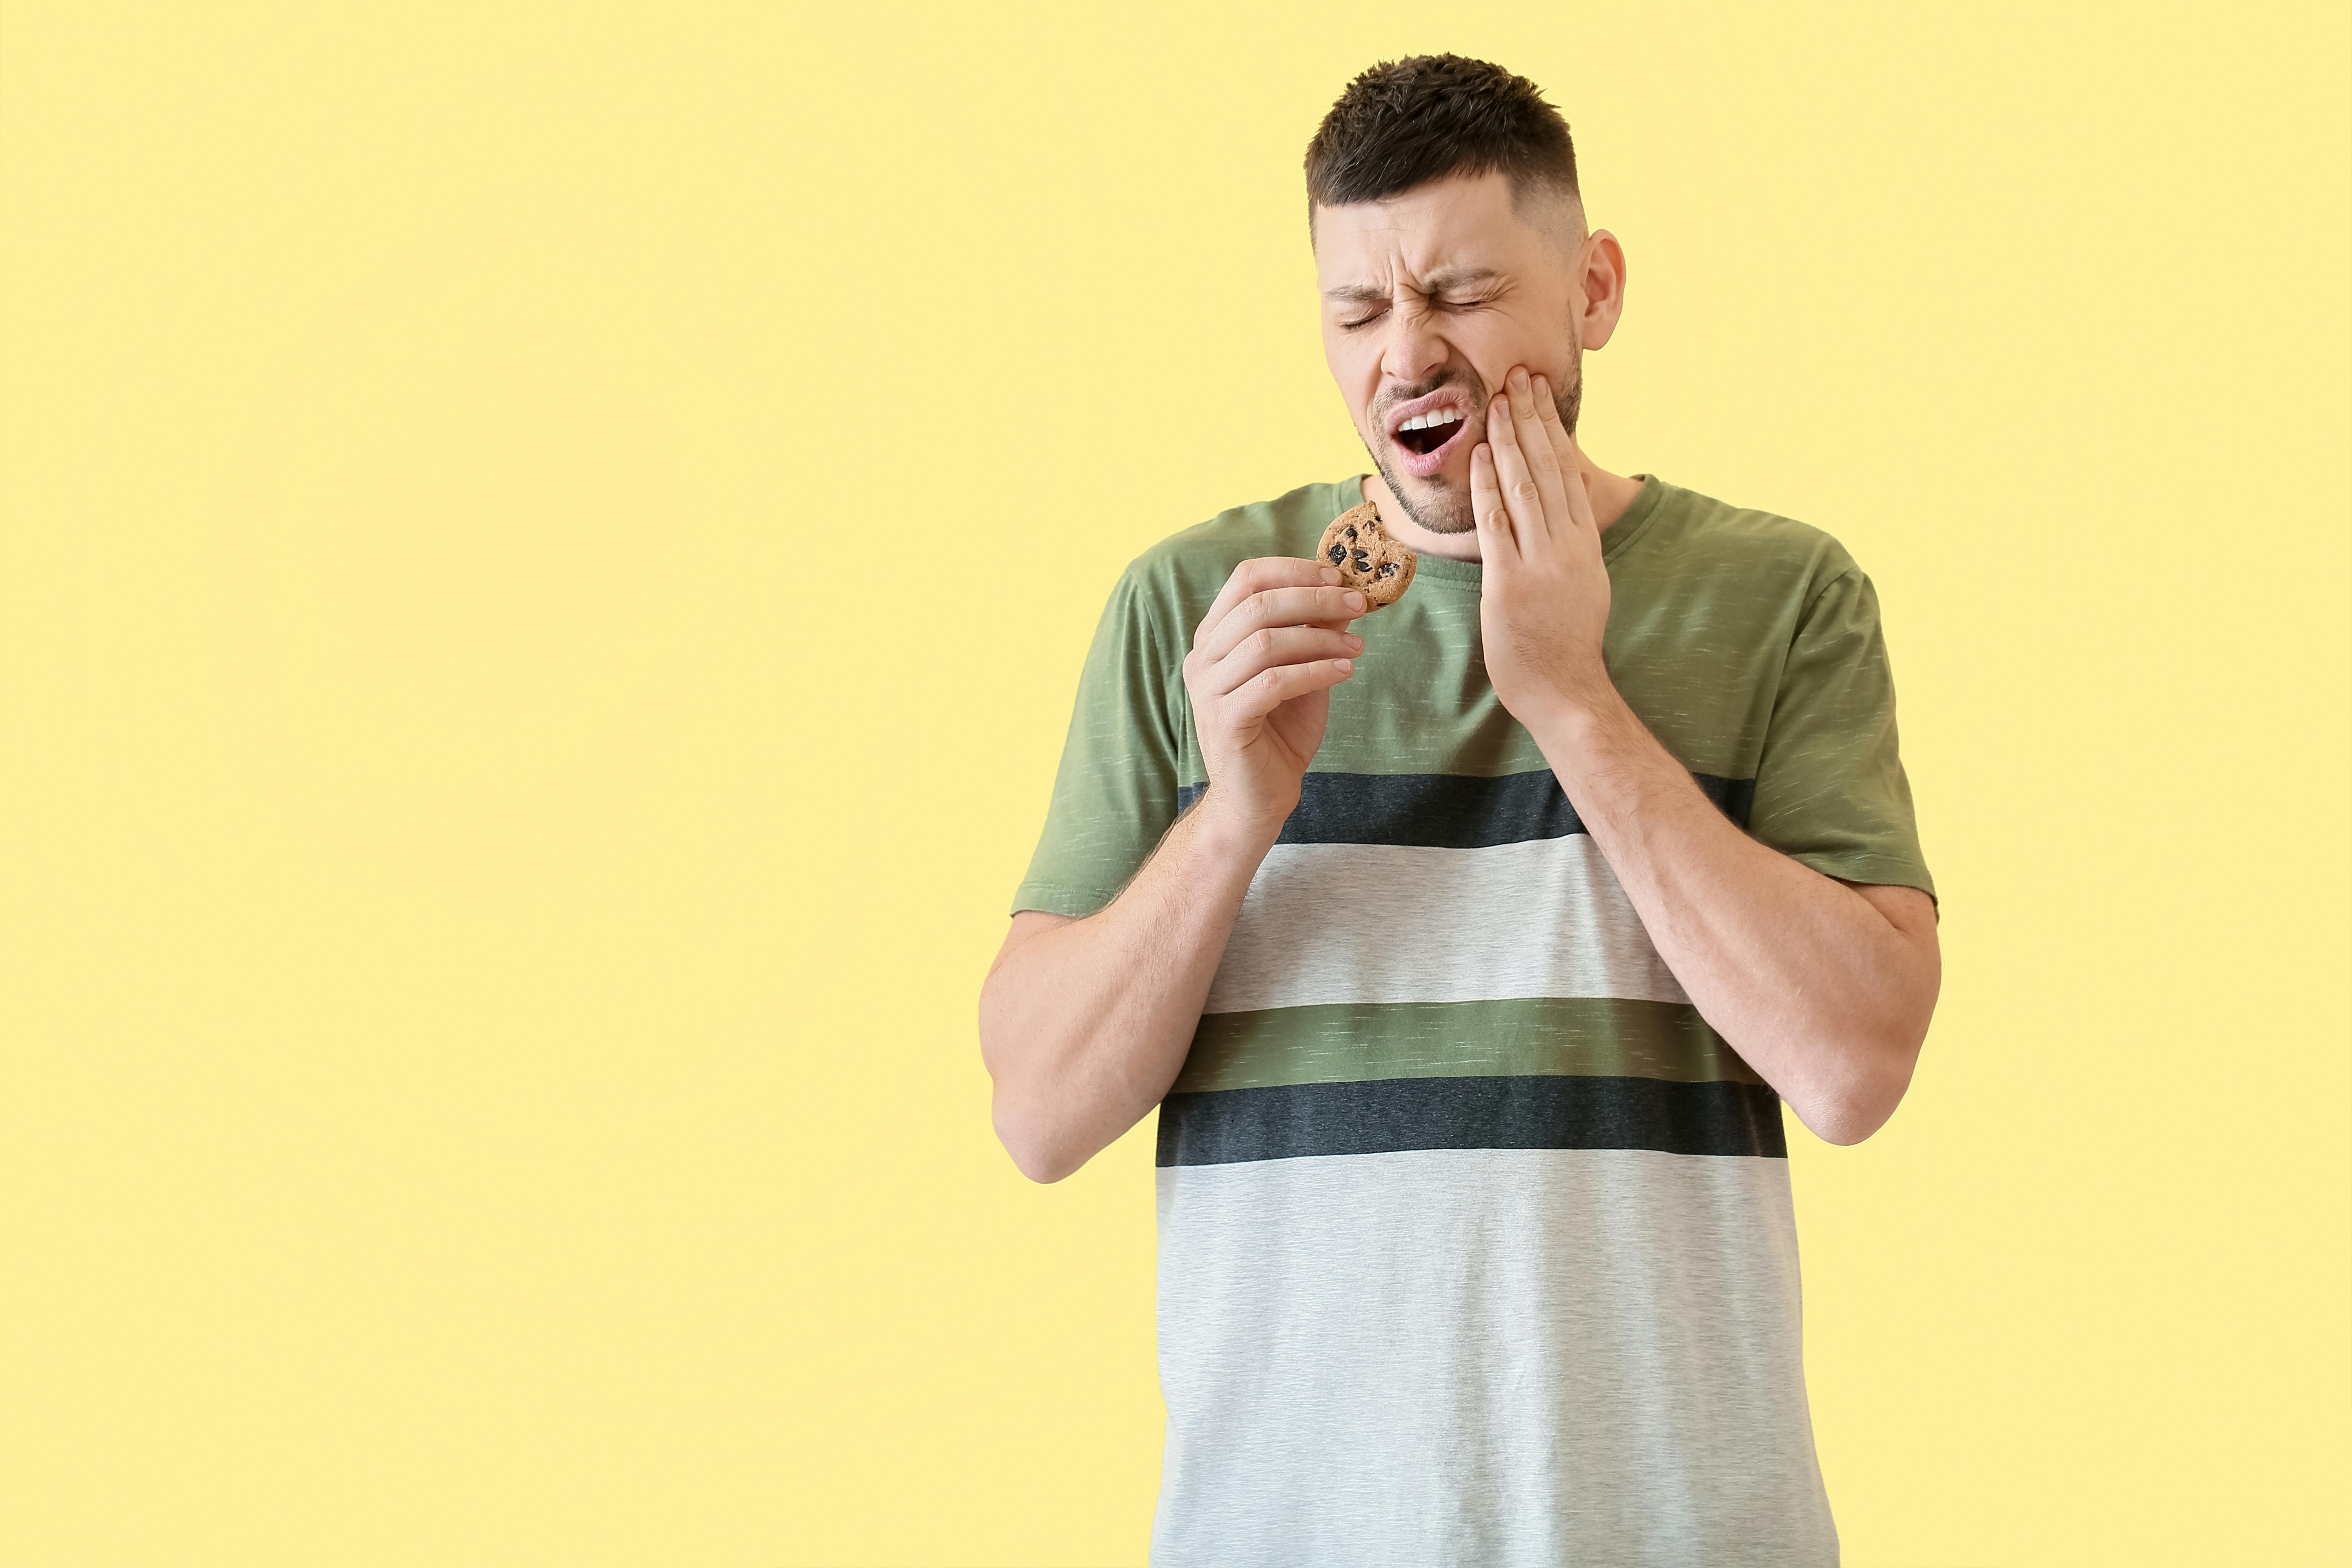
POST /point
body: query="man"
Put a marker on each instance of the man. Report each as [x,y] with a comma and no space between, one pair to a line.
[1470,948]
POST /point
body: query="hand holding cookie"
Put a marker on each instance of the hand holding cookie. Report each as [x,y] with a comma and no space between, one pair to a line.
[1263,664]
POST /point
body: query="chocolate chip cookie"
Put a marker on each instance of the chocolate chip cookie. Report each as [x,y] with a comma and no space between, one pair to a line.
[1368,559]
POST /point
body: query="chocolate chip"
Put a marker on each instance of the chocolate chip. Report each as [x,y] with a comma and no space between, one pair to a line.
[1363,562]
[1339,554]
[1352,533]
[1388,568]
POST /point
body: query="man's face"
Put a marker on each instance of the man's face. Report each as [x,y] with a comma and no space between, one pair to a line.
[1429,298]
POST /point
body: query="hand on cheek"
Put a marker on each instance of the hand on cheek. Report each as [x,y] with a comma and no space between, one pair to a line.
[1544,599]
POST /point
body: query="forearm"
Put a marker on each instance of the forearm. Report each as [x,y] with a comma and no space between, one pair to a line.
[1802,976]
[1084,1027]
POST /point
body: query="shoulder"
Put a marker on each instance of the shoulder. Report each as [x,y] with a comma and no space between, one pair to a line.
[1180,576]
[1697,536]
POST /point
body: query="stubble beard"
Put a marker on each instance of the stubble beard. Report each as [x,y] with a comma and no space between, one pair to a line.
[1440,507]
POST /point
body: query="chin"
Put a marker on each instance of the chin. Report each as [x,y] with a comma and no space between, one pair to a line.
[1440,503]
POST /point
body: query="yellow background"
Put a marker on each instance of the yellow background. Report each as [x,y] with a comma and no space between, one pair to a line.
[547,554]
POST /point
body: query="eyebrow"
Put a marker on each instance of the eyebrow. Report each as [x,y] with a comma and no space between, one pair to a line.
[1439,282]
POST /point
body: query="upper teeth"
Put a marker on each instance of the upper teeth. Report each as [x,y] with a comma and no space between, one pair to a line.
[1429,421]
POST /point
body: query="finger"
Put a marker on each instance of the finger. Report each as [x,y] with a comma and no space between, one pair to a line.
[1275,646]
[1328,606]
[1578,489]
[1496,544]
[1258,575]
[1543,460]
[1520,496]
[1265,693]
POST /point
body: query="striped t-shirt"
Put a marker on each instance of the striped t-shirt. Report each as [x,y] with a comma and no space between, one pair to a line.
[1475,1242]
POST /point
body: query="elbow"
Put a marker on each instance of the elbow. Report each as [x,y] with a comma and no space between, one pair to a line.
[1026,1134]
[1861,1102]
[1029,1135]
[1874,1065]
[1846,1120]
[1039,1155]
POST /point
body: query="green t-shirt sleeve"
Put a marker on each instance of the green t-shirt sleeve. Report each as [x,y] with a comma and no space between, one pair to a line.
[1829,788]
[1115,794]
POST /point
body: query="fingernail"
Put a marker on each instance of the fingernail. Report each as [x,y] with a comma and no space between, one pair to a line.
[1330,576]
[1345,664]
[1355,603]
[1355,643]
[1518,380]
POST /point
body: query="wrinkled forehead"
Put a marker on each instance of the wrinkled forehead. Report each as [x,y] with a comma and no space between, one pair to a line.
[1449,226]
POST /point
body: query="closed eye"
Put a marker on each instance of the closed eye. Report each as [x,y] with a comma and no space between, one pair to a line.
[1472,302]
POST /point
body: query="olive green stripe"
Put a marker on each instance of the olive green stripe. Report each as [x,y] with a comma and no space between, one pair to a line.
[1355,1042]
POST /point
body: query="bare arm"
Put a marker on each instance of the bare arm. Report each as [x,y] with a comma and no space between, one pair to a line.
[1084,1023]
[1824,988]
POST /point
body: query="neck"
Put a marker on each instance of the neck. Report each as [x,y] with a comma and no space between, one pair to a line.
[1612,495]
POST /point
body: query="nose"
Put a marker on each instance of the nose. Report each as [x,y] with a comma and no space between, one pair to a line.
[1412,350]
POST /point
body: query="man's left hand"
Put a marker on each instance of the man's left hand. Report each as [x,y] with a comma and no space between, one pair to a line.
[1544,602]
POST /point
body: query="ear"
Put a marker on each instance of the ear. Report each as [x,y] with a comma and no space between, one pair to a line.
[1600,277]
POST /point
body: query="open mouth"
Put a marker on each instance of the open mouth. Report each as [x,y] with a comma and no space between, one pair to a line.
[1425,433]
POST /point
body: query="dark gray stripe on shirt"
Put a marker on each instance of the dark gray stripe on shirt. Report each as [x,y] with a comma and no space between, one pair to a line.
[1450,811]
[1387,1116]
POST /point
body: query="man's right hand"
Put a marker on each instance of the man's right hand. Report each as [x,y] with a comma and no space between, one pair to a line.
[1085,1024]
[1260,674]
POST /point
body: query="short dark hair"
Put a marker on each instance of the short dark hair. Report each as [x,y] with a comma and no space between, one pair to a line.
[1405,122]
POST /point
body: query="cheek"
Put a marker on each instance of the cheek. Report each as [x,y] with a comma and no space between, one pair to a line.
[1355,370]
[1499,342]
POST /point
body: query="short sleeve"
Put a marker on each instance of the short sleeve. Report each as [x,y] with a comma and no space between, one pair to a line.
[1115,792]
[1829,788]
